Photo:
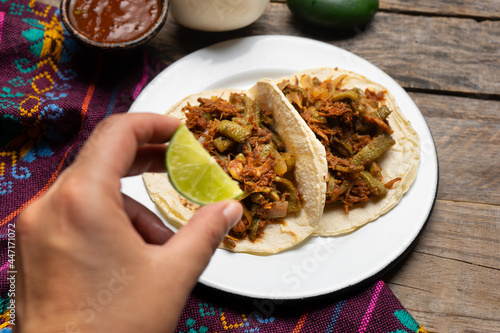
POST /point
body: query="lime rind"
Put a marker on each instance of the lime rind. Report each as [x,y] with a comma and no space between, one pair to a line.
[194,173]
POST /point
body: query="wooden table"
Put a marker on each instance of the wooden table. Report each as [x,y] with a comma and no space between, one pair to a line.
[446,55]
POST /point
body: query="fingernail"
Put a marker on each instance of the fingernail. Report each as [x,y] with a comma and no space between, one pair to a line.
[232,212]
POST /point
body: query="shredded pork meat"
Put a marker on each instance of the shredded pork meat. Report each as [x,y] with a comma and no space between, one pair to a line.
[346,122]
[238,134]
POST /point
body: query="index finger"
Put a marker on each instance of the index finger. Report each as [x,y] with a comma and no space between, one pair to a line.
[114,143]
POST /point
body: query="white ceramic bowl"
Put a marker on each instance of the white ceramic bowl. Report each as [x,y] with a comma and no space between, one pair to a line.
[217,15]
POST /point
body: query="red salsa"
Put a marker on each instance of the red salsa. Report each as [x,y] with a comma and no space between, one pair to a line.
[114,21]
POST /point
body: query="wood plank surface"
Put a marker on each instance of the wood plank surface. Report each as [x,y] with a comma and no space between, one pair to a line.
[459,56]
[447,295]
[466,133]
[447,55]
[485,9]
[464,232]
[450,280]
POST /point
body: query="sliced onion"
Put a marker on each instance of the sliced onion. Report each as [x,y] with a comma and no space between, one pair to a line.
[278,209]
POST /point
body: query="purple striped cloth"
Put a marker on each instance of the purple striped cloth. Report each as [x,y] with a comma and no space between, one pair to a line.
[373,309]
[52,94]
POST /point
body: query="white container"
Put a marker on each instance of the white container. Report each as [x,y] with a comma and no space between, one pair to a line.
[217,15]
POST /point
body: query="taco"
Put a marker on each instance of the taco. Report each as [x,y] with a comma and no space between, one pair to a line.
[372,151]
[269,150]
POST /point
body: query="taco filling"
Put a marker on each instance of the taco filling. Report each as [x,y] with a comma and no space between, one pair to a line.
[353,127]
[238,133]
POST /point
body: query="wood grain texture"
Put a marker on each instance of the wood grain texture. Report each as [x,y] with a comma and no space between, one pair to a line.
[450,281]
[486,9]
[447,295]
[456,55]
[466,133]
[447,55]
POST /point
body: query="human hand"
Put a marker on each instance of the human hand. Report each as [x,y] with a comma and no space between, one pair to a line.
[93,260]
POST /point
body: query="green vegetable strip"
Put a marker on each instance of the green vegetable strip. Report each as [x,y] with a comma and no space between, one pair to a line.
[375,170]
[233,130]
[343,146]
[257,114]
[338,191]
[254,228]
[374,185]
[222,143]
[256,197]
[266,150]
[330,185]
[349,169]
[294,204]
[317,117]
[248,109]
[382,112]
[373,150]
[350,94]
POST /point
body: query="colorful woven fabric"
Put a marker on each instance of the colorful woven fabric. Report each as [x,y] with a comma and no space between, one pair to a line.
[52,94]
[374,309]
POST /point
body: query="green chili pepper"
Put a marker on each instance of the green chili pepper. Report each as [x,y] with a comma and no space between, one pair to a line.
[233,130]
[374,149]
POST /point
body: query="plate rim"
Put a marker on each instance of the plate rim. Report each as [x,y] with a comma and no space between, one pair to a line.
[378,271]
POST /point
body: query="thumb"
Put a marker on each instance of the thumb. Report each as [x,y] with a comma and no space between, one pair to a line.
[194,244]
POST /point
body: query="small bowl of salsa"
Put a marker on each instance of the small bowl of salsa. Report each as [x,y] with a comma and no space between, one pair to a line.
[114,24]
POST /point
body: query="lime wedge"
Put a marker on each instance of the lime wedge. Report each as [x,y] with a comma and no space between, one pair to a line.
[194,173]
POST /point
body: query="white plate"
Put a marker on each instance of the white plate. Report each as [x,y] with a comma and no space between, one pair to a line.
[320,265]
